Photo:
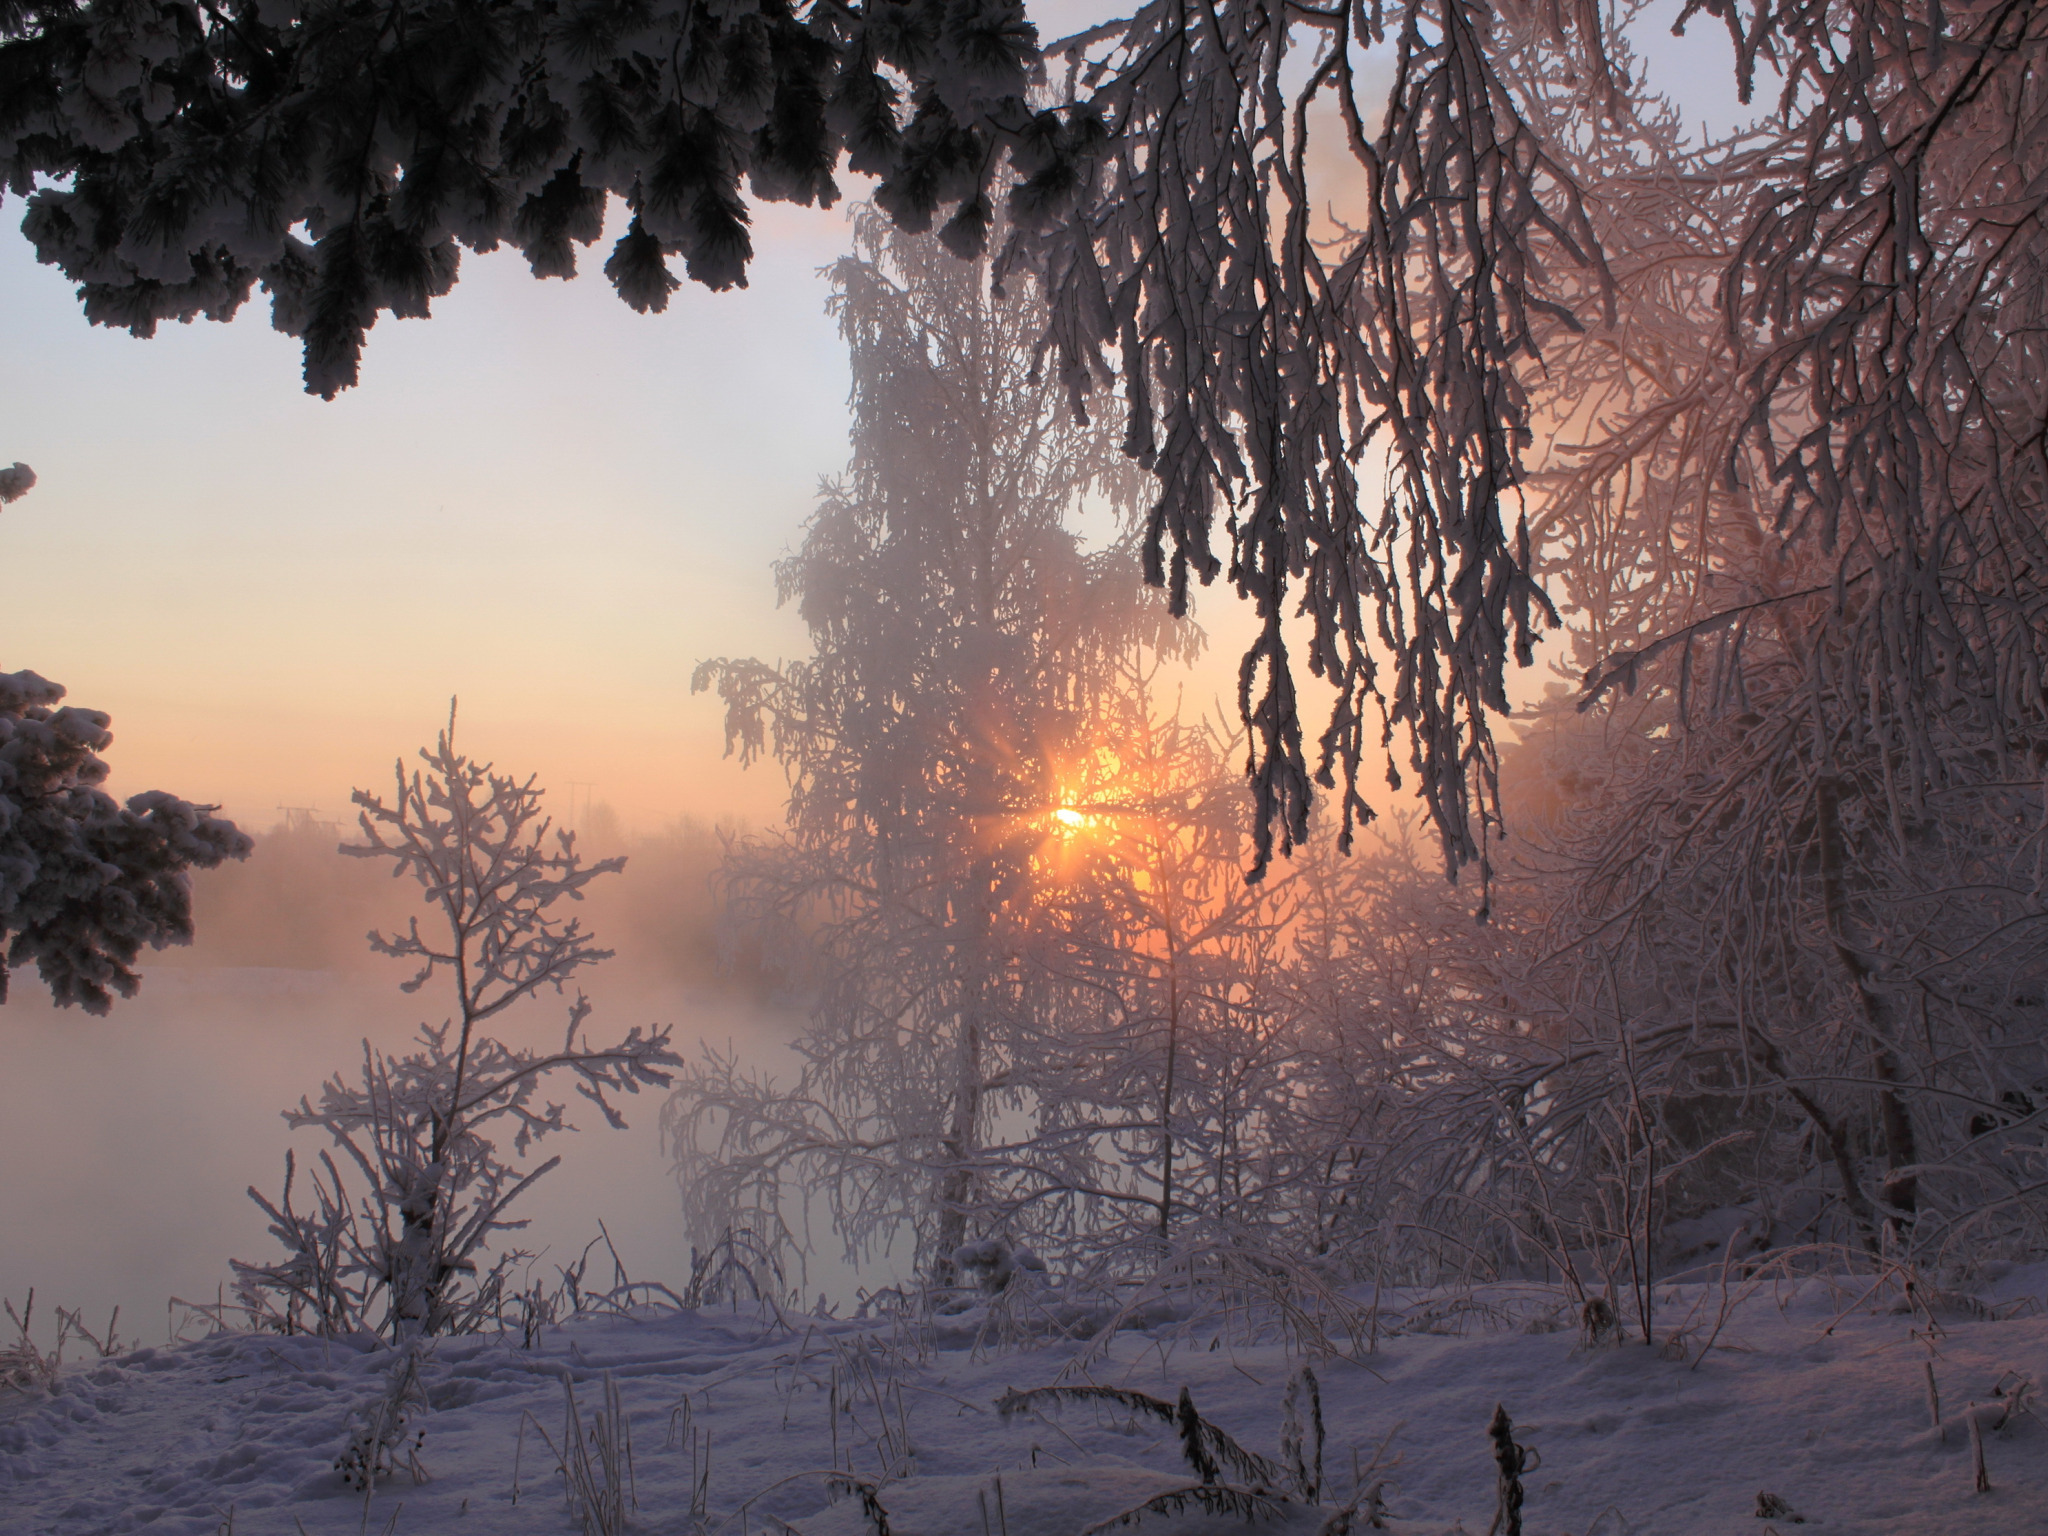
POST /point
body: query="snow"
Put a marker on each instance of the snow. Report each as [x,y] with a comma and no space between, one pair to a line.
[1814,1394]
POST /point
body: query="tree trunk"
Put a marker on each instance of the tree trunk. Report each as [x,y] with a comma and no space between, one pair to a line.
[1166,1099]
[1901,1189]
[956,1185]
[1765,1053]
[961,1140]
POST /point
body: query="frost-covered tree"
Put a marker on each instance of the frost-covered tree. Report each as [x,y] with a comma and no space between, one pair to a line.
[419,1128]
[1786,844]
[86,883]
[1832,1004]
[1433,326]
[964,643]
[1159,921]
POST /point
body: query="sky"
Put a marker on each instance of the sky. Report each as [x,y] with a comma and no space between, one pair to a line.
[538,500]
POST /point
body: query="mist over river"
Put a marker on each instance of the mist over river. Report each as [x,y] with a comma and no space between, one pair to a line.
[127,1143]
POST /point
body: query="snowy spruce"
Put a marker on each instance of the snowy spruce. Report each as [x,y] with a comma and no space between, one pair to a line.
[88,882]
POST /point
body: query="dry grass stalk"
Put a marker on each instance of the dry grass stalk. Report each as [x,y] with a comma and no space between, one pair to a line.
[1512,1461]
[25,1367]
[1598,1323]
[700,1481]
[1002,1520]
[1209,1448]
[1266,1488]
[595,1461]
[385,1438]
[865,1372]
[1247,1504]
[1301,1439]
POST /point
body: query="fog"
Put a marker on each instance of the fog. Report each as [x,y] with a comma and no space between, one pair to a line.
[130,1140]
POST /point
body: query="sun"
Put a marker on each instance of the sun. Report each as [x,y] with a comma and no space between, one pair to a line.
[1070,822]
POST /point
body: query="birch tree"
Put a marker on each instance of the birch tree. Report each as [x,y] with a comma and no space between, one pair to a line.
[964,644]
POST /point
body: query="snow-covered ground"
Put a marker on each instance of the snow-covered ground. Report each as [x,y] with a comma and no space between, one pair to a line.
[1814,1393]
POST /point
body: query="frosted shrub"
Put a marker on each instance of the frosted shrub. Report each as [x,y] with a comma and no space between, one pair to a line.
[993,1264]
[421,1128]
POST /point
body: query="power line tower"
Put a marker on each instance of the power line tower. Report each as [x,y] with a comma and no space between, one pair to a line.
[575,817]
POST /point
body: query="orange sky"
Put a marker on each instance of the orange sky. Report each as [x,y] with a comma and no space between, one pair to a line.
[538,500]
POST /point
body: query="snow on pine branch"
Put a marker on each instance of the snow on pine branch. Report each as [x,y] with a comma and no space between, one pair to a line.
[343,159]
[86,882]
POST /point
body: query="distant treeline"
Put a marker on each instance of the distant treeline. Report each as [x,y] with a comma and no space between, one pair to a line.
[297,902]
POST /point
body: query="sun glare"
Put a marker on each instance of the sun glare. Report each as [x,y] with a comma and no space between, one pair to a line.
[1070,821]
